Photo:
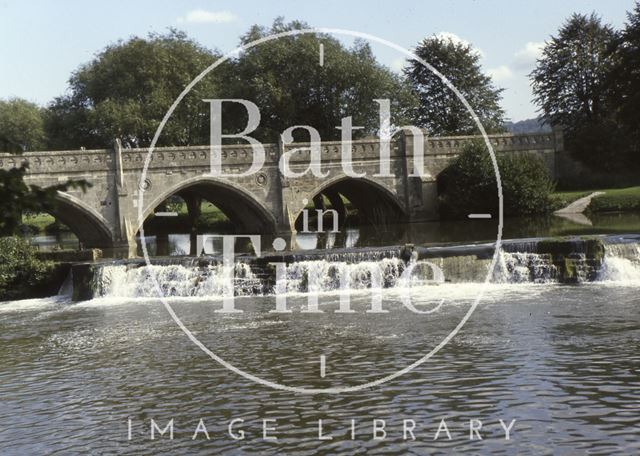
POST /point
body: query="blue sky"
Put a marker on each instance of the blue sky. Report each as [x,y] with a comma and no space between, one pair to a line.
[42,42]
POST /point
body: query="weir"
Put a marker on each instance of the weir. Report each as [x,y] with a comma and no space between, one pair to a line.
[562,261]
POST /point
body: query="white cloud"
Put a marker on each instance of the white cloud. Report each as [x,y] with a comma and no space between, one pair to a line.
[207,17]
[525,58]
[501,73]
[456,39]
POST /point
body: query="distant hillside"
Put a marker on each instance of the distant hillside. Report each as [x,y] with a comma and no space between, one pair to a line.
[527,126]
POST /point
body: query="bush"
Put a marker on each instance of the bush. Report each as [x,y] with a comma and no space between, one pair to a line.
[22,274]
[468,185]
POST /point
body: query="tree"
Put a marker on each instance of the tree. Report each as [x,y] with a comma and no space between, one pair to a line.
[570,86]
[624,79]
[440,111]
[284,78]
[22,129]
[126,91]
[468,184]
[21,126]
[17,197]
[22,274]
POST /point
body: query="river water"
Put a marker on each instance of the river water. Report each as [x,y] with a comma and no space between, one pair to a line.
[416,233]
[560,360]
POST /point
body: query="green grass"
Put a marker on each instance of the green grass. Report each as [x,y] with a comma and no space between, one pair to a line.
[211,219]
[563,199]
[210,215]
[40,221]
[614,199]
[617,199]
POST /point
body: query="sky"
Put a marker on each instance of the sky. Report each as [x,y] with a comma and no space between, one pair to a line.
[43,42]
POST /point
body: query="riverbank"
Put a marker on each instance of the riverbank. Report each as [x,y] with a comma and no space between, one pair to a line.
[611,200]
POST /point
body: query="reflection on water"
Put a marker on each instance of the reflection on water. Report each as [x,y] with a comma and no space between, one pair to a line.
[415,233]
[367,236]
[561,360]
[61,240]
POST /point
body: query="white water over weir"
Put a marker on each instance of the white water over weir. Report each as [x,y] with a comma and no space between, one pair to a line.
[523,261]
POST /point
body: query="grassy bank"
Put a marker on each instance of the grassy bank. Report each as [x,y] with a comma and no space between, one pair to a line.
[211,219]
[38,221]
[563,199]
[614,199]
[617,199]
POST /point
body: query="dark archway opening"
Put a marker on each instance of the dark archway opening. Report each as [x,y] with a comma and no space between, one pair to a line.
[177,225]
[68,225]
[354,204]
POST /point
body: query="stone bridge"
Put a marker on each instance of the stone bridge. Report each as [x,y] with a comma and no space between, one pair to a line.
[106,215]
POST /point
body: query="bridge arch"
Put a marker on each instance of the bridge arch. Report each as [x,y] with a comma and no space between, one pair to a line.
[89,226]
[375,202]
[243,209]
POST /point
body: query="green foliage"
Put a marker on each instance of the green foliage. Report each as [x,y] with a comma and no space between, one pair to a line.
[21,126]
[567,81]
[126,91]
[211,219]
[21,272]
[469,185]
[284,79]
[16,197]
[624,79]
[440,111]
[571,87]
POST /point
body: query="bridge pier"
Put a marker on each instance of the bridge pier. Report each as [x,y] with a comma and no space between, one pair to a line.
[194,211]
[338,205]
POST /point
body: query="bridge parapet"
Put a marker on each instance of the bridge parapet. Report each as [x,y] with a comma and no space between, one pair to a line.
[64,161]
[238,154]
[331,151]
[440,151]
[452,145]
[195,156]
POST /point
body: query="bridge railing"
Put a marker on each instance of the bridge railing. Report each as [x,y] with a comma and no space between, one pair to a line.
[500,143]
[239,155]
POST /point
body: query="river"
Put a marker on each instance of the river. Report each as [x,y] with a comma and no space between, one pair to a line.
[416,233]
[560,360]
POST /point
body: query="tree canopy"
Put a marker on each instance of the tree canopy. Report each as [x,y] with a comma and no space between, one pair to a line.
[439,109]
[284,78]
[624,79]
[569,80]
[21,126]
[126,91]
[571,87]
